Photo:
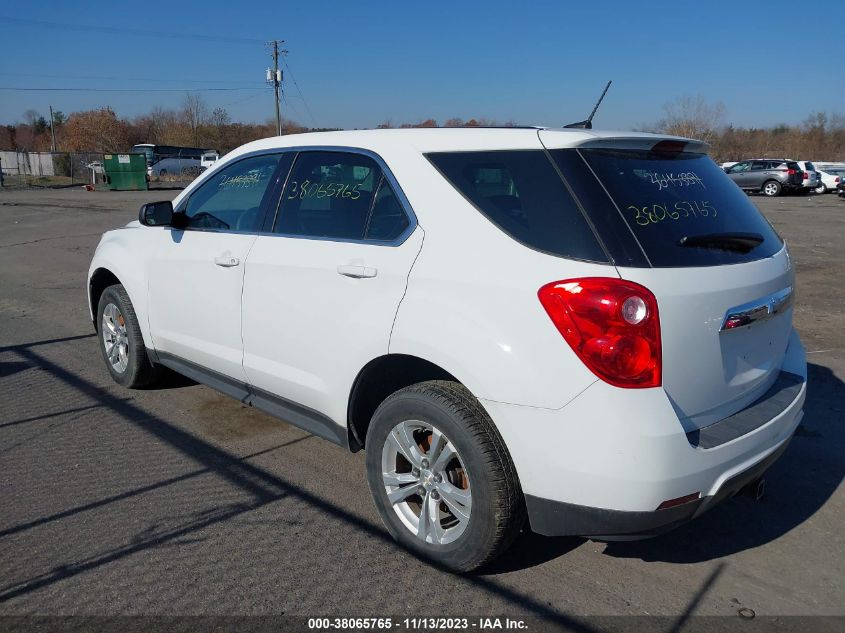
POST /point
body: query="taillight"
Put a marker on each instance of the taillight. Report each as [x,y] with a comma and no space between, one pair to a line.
[611,324]
[806,175]
[791,172]
[836,179]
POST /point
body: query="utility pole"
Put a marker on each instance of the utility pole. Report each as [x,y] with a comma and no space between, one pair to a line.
[276,78]
[52,130]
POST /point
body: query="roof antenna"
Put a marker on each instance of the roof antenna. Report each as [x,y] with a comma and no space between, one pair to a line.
[588,124]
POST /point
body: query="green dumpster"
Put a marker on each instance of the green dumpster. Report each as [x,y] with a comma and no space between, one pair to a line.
[126,172]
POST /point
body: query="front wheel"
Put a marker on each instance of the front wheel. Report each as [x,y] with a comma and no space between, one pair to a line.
[120,340]
[771,188]
[441,476]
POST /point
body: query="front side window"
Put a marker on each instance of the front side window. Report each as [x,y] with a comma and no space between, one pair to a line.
[231,199]
[329,195]
[739,168]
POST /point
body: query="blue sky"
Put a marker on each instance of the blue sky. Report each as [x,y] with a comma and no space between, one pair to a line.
[360,63]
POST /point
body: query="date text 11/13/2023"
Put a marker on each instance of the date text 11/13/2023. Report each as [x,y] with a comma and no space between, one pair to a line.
[418,624]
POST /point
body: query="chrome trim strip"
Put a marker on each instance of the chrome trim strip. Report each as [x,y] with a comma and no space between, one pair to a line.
[757,310]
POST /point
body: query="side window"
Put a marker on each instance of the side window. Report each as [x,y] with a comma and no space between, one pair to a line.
[388,219]
[521,192]
[231,199]
[739,167]
[329,194]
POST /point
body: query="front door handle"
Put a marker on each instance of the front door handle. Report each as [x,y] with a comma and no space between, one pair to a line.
[357,272]
[227,261]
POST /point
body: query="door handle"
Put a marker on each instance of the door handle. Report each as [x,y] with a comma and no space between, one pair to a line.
[357,272]
[227,261]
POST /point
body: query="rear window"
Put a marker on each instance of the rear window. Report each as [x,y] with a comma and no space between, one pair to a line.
[521,192]
[810,166]
[682,208]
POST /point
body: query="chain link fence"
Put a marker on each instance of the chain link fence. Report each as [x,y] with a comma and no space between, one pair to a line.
[72,169]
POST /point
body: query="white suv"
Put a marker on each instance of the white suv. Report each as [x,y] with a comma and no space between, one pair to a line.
[591,331]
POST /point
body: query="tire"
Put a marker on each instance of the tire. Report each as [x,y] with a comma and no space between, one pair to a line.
[479,507]
[162,172]
[771,188]
[821,189]
[120,335]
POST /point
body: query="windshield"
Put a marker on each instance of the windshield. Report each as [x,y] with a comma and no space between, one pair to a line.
[682,208]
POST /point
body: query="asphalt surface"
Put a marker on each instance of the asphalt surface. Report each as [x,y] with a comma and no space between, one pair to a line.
[178,500]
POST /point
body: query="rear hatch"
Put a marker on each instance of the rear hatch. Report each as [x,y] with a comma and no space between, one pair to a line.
[709,254]
[795,173]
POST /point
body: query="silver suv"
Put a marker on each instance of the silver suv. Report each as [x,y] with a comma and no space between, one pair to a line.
[772,176]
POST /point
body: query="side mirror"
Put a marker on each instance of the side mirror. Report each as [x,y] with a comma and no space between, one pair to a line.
[156,214]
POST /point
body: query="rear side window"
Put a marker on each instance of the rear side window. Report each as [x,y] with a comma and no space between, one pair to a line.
[521,192]
[682,208]
[329,195]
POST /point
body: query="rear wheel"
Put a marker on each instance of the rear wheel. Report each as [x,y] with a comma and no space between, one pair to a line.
[821,189]
[120,340]
[771,188]
[441,476]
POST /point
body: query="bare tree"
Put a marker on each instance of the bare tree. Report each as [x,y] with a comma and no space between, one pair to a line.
[195,112]
[693,117]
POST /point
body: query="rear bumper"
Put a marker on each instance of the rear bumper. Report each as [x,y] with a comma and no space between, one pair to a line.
[556,518]
[604,463]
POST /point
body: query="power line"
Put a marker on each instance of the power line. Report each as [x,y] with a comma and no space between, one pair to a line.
[301,96]
[101,78]
[120,31]
[28,89]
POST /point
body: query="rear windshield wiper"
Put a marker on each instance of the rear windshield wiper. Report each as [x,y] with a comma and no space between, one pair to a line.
[736,242]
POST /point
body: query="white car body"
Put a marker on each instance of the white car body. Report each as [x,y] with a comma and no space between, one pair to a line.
[830,178]
[275,318]
[208,159]
[811,176]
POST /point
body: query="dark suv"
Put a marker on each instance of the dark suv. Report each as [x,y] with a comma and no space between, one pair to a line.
[769,175]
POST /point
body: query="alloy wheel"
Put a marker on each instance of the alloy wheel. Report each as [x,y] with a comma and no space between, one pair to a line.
[426,482]
[115,338]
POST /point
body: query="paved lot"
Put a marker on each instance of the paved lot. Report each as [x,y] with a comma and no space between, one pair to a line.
[180,501]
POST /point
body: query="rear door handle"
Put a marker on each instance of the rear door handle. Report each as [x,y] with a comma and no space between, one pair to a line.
[227,261]
[357,272]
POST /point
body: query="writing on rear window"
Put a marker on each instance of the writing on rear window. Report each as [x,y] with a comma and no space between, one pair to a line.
[682,209]
[664,180]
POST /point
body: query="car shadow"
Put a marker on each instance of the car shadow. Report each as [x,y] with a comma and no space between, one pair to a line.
[798,485]
[530,550]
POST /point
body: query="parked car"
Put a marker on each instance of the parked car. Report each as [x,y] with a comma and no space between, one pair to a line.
[208,159]
[175,167]
[772,176]
[829,179]
[470,308]
[810,178]
[840,188]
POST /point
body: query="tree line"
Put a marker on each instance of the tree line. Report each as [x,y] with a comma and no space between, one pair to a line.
[820,136]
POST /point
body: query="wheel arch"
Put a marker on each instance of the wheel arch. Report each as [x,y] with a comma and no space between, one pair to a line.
[378,379]
[100,279]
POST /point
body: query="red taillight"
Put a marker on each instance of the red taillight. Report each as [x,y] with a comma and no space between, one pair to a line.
[612,325]
[806,175]
[791,172]
[836,179]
